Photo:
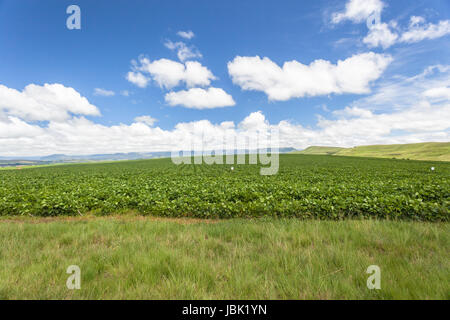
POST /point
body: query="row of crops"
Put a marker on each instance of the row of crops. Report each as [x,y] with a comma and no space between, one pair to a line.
[323,187]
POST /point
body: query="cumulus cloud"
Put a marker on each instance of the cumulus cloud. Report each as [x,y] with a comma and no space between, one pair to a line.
[358,10]
[103,92]
[145,119]
[295,79]
[186,34]
[13,128]
[50,102]
[198,98]
[183,51]
[401,110]
[380,35]
[137,78]
[169,74]
[82,136]
[254,121]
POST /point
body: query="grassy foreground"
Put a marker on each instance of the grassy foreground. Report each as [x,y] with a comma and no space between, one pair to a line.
[131,257]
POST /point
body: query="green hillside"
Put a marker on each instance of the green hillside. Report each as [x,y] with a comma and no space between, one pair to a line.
[320,150]
[436,151]
[417,151]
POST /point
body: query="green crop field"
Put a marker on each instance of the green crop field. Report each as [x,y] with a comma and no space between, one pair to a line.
[306,186]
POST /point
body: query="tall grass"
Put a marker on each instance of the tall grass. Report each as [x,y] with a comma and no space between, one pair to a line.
[146,258]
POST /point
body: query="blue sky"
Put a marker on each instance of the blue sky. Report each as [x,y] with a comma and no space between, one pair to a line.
[37,48]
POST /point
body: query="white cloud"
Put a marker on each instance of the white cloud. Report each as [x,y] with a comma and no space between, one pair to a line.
[413,122]
[198,98]
[419,30]
[380,35]
[103,92]
[145,119]
[186,34]
[13,128]
[125,93]
[137,78]
[169,74]
[81,136]
[400,92]
[358,10]
[401,110]
[295,79]
[183,51]
[438,93]
[50,102]
[350,112]
[416,20]
[254,121]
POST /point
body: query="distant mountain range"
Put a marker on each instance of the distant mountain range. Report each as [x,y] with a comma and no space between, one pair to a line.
[436,151]
[63,158]
[105,157]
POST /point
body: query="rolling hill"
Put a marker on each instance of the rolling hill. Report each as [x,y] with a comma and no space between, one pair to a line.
[436,151]
[321,150]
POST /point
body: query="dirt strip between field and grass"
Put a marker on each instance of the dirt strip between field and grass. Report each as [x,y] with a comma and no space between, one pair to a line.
[120,218]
